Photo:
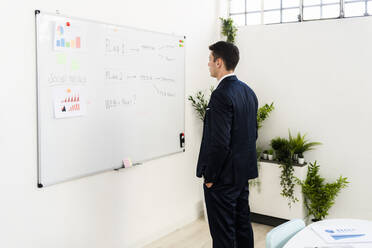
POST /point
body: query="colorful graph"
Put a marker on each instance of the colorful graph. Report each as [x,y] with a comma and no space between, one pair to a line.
[74,100]
[69,102]
[68,44]
[60,30]
[67,36]
[75,107]
[71,99]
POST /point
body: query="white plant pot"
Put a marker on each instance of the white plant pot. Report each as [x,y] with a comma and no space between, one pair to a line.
[271,157]
[265,155]
[301,160]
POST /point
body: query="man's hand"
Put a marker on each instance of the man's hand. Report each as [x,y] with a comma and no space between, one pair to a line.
[209,185]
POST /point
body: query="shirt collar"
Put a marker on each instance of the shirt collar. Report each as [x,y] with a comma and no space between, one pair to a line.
[227,75]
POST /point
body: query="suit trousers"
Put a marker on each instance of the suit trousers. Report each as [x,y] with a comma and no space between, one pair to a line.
[229,216]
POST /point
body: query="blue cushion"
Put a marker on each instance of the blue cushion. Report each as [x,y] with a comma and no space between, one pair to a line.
[280,235]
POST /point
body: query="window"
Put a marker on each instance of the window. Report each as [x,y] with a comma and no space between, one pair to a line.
[321,9]
[291,10]
[279,11]
[369,7]
[356,8]
[253,12]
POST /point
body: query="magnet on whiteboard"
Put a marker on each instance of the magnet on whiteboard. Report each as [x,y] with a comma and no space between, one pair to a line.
[127,162]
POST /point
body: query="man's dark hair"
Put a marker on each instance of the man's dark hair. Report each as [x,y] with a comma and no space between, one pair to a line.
[228,52]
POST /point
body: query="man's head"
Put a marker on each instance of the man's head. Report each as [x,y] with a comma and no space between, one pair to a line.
[223,58]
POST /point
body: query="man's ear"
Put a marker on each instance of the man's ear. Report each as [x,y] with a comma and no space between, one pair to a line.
[219,62]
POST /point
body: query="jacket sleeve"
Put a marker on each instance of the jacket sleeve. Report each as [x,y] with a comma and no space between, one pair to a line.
[220,116]
[256,108]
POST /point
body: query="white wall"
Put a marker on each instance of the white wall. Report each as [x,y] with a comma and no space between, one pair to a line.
[115,209]
[319,76]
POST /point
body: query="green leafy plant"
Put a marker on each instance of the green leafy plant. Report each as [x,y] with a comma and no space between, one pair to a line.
[293,144]
[319,196]
[302,145]
[285,150]
[282,149]
[259,152]
[228,29]
[264,112]
[200,102]
[287,180]
[270,152]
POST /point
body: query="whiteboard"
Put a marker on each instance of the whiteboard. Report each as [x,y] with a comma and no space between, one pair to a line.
[106,93]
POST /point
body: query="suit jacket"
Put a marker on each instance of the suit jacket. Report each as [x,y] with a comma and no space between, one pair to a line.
[228,149]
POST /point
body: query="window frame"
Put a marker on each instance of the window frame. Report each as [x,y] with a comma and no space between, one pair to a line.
[301,11]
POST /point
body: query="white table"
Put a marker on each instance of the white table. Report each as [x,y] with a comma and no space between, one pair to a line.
[309,239]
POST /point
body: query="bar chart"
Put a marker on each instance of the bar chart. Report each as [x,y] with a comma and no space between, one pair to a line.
[67,37]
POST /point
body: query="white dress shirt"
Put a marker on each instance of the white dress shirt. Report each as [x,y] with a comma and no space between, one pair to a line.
[227,75]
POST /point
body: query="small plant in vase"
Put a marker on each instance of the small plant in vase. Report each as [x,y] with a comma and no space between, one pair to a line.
[301,159]
[265,154]
[301,145]
[270,154]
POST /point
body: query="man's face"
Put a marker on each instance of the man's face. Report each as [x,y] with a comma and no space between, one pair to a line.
[213,65]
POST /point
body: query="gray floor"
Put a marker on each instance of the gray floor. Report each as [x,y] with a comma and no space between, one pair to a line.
[196,235]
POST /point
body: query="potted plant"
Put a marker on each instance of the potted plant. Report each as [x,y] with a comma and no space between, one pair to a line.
[319,196]
[263,112]
[228,29]
[301,159]
[265,154]
[200,103]
[270,154]
[282,148]
[300,145]
[259,152]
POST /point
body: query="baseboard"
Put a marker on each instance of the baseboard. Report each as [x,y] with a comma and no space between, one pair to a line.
[267,220]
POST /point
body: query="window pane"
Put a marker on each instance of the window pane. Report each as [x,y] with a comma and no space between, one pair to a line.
[254,19]
[311,2]
[311,13]
[290,15]
[331,11]
[370,7]
[331,1]
[354,9]
[253,5]
[239,20]
[237,6]
[271,4]
[290,3]
[271,17]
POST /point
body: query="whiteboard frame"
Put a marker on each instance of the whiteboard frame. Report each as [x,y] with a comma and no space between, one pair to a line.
[38,122]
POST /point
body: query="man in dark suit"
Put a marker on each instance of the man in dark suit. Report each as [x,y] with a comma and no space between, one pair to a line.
[227,158]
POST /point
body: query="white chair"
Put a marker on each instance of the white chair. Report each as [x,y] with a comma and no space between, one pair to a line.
[280,235]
